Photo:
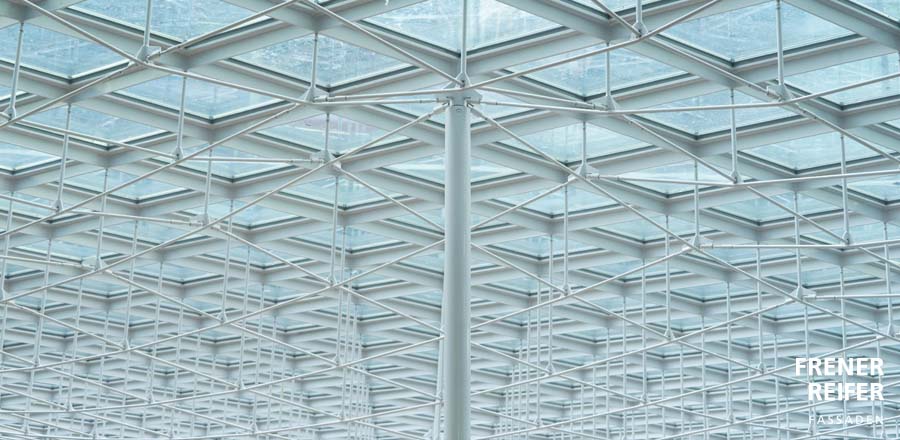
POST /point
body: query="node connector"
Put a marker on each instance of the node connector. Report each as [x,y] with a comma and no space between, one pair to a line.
[146,52]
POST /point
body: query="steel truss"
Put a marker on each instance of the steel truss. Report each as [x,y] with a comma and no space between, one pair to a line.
[287,337]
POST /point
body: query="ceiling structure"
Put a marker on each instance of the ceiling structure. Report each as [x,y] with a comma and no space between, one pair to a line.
[669,203]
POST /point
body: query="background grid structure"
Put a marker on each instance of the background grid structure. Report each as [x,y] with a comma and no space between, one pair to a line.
[427,219]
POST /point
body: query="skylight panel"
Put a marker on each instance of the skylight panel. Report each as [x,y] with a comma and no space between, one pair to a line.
[683,171]
[181,19]
[229,170]
[616,5]
[564,143]
[344,133]
[339,62]
[14,157]
[852,73]
[141,189]
[490,21]
[432,168]
[57,53]
[586,76]
[706,121]
[554,203]
[890,8]
[811,152]
[642,230]
[349,192]
[886,188]
[202,98]
[762,210]
[93,123]
[750,31]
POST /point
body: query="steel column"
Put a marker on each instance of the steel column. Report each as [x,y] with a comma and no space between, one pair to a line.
[457,273]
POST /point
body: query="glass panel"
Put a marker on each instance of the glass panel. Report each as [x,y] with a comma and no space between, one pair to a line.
[564,143]
[553,204]
[252,216]
[586,75]
[344,134]
[679,171]
[616,5]
[761,210]
[811,152]
[93,123]
[141,189]
[229,170]
[13,157]
[863,233]
[643,230]
[705,121]
[349,192]
[338,61]
[850,73]
[54,52]
[491,22]
[147,231]
[181,19]
[885,188]
[432,168]
[750,31]
[891,8]
[202,98]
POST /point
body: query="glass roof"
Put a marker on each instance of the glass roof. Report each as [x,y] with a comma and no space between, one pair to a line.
[54,52]
[93,123]
[586,76]
[811,152]
[13,157]
[705,121]
[202,98]
[850,73]
[289,273]
[181,19]
[340,61]
[750,31]
[490,21]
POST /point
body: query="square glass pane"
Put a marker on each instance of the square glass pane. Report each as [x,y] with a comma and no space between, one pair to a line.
[349,191]
[678,171]
[338,61]
[811,152]
[202,98]
[252,216]
[181,19]
[705,121]
[850,73]
[141,189]
[93,123]
[564,143]
[14,157]
[585,76]
[432,168]
[554,203]
[886,188]
[762,210]
[750,31]
[344,133]
[642,230]
[490,22]
[229,170]
[54,52]
[616,5]
[890,8]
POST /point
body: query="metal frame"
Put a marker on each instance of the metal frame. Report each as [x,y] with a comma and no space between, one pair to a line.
[543,344]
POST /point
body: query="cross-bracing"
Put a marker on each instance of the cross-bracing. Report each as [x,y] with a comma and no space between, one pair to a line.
[318,339]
